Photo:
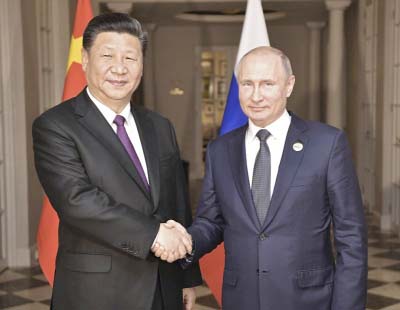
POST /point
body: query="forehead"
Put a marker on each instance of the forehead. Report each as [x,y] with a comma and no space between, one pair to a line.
[262,64]
[116,40]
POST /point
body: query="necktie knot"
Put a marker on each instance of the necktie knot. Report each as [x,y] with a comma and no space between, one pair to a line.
[119,120]
[263,134]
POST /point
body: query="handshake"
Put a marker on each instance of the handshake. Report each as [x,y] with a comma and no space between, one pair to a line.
[172,242]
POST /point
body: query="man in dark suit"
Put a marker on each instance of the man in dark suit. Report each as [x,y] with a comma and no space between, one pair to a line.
[271,192]
[113,173]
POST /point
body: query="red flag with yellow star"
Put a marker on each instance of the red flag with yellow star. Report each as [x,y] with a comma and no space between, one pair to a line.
[75,81]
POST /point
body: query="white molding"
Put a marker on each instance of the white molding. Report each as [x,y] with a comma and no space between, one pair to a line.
[123,7]
[3,251]
[337,4]
[359,131]
[23,258]
[367,105]
[213,18]
[336,92]
[390,199]
[53,33]
[13,97]
[11,250]
[387,165]
[94,2]
[96,6]
[197,169]
[386,222]
[315,25]
[148,78]
[61,29]
[315,69]
[34,255]
[42,57]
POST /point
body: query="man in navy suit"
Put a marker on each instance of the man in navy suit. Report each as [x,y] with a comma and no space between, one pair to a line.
[272,191]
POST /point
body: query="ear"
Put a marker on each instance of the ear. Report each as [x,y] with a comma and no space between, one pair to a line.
[85,59]
[290,85]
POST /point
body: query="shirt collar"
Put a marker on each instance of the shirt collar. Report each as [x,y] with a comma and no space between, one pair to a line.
[278,129]
[108,113]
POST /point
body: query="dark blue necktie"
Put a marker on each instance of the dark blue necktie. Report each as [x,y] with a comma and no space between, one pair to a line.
[261,182]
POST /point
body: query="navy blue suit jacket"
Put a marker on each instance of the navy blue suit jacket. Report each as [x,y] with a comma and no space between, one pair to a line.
[287,263]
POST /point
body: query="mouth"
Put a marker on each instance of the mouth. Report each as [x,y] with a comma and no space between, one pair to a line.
[258,109]
[117,83]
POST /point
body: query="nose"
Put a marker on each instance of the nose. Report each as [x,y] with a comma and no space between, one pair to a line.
[119,67]
[256,94]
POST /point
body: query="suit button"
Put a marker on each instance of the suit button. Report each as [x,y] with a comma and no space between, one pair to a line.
[262,271]
[262,237]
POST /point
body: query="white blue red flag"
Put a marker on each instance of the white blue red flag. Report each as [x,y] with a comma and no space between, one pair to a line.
[254,34]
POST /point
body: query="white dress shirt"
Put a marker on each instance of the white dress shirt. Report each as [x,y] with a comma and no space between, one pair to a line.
[276,142]
[130,127]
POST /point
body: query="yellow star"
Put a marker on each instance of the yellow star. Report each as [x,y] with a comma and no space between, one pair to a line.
[75,51]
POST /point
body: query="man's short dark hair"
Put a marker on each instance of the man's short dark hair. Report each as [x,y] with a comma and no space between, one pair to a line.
[113,22]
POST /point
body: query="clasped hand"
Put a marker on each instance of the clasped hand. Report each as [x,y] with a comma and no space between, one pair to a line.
[172,242]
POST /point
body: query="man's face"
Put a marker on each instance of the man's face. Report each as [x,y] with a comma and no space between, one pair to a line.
[113,67]
[264,87]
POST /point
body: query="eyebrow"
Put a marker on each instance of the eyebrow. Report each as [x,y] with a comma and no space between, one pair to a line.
[261,80]
[112,47]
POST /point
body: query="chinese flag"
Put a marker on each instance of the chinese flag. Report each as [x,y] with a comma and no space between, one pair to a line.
[75,81]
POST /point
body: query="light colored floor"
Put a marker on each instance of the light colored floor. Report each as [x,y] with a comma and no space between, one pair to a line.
[27,289]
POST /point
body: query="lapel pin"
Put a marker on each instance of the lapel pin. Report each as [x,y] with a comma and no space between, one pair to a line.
[298,146]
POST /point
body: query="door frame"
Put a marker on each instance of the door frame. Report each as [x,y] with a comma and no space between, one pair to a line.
[15,232]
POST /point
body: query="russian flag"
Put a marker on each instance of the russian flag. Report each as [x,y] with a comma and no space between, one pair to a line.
[254,34]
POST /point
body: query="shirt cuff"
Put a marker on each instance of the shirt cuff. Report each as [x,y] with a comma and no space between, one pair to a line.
[155,239]
[188,259]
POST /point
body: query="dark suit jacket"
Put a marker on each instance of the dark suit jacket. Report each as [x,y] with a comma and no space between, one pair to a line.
[287,262]
[108,221]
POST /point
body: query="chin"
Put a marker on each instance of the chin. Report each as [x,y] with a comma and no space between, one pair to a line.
[260,118]
[260,122]
[117,95]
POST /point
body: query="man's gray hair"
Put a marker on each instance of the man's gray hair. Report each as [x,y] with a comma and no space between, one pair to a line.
[268,50]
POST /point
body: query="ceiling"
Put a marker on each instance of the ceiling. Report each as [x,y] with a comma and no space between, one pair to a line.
[164,12]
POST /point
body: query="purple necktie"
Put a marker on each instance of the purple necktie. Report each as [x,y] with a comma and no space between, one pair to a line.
[123,136]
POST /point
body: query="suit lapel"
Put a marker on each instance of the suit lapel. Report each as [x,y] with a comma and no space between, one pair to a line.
[237,156]
[288,166]
[148,138]
[92,119]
